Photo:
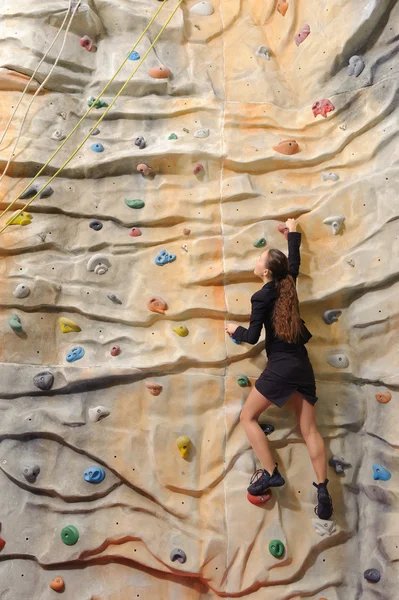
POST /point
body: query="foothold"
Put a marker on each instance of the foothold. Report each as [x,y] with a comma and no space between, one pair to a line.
[267,428]
[372,575]
[380,473]
[33,190]
[134,55]
[322,107]
[260,243]
[356,65]
[201,133]
[186,130]
[87,43]
[287,147]
[2,543]
[157,305]
[163,257]
[70,535]
[21,291]
[339,361]
[115,350]
[181,330]
[75,353]
[186,231]
[276,548]
[335,222]
[159,72]
[383,397]
[283,229]
[263,52]
[144,169]
[67,325]
[94,475]
[343,127]
[140,142]
[172,136]
[205,9]
[324,527]
[302,35]
[198,169]
[97,147]
[96,225]
[185,247]
[94,131]
[98,412]
[282,7]
[179,555]
[58,135]
[15,323]
[339,464]
[135,203]
[31,473]
[99,264]
[44,380]
[114,298]
[238,342]
[98,104]
[57,584]
[183,443]
[154,388]
[331,316]
[243,381]
[259,500]
[24,218]
[329,176]
[135,232]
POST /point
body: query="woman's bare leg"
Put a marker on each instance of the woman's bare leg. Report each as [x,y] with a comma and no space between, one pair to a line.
[254,406]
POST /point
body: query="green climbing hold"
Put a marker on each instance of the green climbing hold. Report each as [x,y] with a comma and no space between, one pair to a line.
[15,323]
[98,104]
[70,535]
[260,243]
[276,548]
[135,203]
[243,381]
[172,136]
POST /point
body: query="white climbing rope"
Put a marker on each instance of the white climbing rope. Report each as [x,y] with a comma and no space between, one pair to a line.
[76,6]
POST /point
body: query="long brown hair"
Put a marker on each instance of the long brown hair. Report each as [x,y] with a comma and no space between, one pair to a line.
[286,320]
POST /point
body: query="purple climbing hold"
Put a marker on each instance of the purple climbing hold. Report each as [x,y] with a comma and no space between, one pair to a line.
[372,575]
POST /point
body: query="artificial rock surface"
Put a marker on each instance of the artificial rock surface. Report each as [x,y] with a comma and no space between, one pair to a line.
[152,500]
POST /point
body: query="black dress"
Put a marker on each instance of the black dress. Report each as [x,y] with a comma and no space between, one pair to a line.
[288,368]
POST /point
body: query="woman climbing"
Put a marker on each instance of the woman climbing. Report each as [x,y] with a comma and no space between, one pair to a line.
[288,374]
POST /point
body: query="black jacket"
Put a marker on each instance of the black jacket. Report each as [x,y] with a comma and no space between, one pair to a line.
[262,308]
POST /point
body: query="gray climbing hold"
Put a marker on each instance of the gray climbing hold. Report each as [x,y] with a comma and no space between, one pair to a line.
[21,291]
[372,575]
[31,473]
[202,133]
[44,380]
[98,412]
[140,142]
[329,176]
[58,135]
[179,555]
[96,225]
[33,189]
[338,361]
[339,464]
[99,264]
[263,52]
[335,222]
[205,9]
[114,298]
[94,131]
[331,316]
[356,65]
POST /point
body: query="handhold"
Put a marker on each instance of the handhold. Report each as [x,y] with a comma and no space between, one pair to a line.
[2,543]
[135,232]
[183,443]
[135,203]
[75,353]
[198,169]
[87,43]
[172,136]
[67,325]
[157,305]
[322,107]
[178,555]
[94,475]
[238,342]
[97,147]
[186,231]
[23,218]
[283,229]
[302,35]
[205,9]
[44,380]
[95,131]
[186,130]
[287,147]
[98,412]
[259,500]
[96,225]
[343,126]
[21,291]
[15,323]
[33,189]
[144,169]
[335,222]
[331,316]
[134,55]
[263,52]
[154,388]
[115,350]
[185,247]
[372,575]
[282,7]
[351,262]
[181,330]
[57,584]
[260,243]
[159,72]
[383,397]
[31,473]
[329,176]
[356,65]
[98,104]
[339,361]
[243,381]
[323,527]
[114,298]
[276,548]
[163,257]
[58,135]
[267,428]
[339,464]
[202,133]
[99,264]
[140,142]
[70,535]
[380,473]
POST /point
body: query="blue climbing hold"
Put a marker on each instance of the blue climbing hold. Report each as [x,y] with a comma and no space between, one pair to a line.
[235,341]
[134,55]
[163,257]
[97,147]
[94,475]
[75,353]
[381,473]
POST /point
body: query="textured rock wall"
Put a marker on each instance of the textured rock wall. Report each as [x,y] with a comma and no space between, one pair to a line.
[152,500]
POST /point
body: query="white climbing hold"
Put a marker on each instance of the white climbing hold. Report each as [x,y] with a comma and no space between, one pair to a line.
[338,361]
[185,247]
[343,127]
[356,65]
[335,222]
[201,133]
[21,291]
[205,9]
[58,135]
[263,52]
[323,527]
[329,176]
[98,263]
[98,412]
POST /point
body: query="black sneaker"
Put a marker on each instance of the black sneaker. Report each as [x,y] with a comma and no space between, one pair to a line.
[261,481]
[324,508]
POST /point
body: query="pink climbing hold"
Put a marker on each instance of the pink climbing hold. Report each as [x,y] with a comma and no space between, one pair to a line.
[87,43]
[135,232]
[198,169]
[144,169]
[115,350]
[2,543]
[322,107]
[283,229]
[302,35]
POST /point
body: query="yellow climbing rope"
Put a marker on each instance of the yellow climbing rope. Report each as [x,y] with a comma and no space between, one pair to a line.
[87,112]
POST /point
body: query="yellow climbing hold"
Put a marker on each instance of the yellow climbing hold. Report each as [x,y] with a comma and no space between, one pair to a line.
[181,330]
[183,443]
[67,325]
[17,218]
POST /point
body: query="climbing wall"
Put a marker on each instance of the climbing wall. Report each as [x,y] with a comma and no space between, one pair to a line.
[123,466]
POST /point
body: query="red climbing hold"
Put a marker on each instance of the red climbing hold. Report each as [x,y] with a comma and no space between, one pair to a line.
[135,232]
[2,543]
[322,107]
[115,350]
[198,169]
[283,229]
[87,43]
[259,500]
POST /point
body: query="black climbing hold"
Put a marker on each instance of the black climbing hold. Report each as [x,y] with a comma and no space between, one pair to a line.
[96,225]
[178,555]
[33,189]
[140,142]
[372,575]
[267,428]
[44,380]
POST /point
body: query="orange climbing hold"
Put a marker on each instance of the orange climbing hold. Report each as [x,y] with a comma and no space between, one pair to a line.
[259,500]
[57,584]
[154,388]
[282,7]
[383,397]
[158,305]
[159,72]
[287,147]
